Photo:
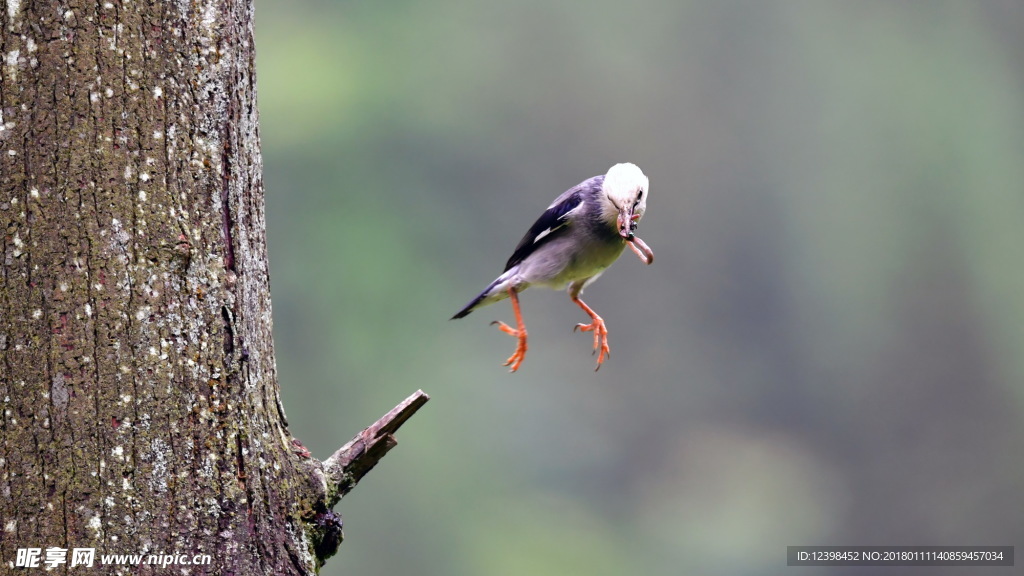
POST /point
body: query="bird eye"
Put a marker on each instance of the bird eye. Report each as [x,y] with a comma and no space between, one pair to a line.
[640,195]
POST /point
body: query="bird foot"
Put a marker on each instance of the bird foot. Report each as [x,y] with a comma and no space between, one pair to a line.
[600,339]
[517,357]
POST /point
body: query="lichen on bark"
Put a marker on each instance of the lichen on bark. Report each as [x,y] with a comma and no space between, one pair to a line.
[139,393]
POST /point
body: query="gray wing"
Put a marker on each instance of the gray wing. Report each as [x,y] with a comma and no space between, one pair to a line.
[554,221]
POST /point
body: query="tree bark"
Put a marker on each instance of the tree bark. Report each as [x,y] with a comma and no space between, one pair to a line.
[140,401]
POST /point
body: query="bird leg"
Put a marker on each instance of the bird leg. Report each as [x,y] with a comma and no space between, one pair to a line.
[520,332]
[598,328]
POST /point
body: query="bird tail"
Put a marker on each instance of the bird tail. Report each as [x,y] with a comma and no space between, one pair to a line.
[470,307]
[493,293]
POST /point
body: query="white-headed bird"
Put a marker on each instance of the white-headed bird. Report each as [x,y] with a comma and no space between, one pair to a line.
[570,245]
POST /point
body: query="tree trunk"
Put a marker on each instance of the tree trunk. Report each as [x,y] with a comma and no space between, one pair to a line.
[140,400]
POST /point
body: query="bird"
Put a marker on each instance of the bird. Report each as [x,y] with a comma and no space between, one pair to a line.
[580,235]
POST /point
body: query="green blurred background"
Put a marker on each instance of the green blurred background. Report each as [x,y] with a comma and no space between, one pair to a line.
[828,349]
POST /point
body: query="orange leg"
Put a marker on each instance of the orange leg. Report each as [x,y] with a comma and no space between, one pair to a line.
[520,332]
[598,328]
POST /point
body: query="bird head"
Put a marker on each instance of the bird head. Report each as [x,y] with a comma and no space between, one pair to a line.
[625,188]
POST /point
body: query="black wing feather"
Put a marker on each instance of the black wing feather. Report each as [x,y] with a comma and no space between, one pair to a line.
[553,221]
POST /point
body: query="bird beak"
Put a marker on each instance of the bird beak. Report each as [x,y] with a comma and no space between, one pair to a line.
[627,224]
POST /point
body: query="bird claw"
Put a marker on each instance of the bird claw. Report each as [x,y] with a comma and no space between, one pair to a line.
[505,328]
[517,357]
[600,331]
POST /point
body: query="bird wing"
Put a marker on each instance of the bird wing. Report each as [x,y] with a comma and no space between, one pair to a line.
[552,223]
